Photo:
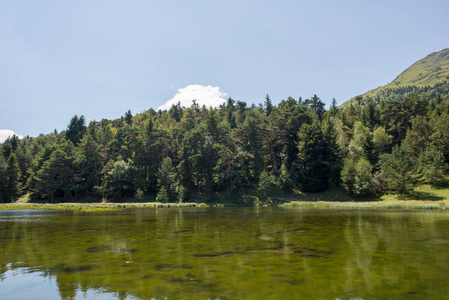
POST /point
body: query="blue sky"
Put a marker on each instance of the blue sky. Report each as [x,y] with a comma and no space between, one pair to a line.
[101,58]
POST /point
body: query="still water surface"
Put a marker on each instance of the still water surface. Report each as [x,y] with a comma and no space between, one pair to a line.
[224,253]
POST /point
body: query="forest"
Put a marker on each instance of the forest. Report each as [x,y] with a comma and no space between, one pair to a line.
[428,92]
[195,152]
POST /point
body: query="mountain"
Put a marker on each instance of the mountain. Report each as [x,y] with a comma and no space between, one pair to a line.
[426,78]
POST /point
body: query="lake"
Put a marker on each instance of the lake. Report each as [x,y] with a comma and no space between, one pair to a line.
[224,253]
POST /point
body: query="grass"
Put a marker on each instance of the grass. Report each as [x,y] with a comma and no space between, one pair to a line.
[93,207]
[426,205]
[422,192]
[422,197]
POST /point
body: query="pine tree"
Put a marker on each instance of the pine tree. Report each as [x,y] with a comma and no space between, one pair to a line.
[285,180]
[12,179]
[332,152]
[431,166]
[440,135]
[56,177]
[348,174]
[369,152]
[398,169]
[176,112]
[268,105]
[76,129]
[265,181]
[334,108]
[89,162]
[369,115]
[312,167]
[167,179]
[316,105]
[129,117]
[162,195]
[250,136]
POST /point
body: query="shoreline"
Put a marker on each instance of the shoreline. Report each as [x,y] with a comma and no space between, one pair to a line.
[365,205]
[423,197]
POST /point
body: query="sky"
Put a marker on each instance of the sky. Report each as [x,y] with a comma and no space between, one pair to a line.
[99,59]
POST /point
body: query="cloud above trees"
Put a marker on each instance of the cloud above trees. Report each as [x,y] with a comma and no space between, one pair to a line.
[204,95]
[6,133]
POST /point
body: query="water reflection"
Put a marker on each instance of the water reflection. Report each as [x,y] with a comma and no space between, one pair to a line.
[226,253]
[25,283]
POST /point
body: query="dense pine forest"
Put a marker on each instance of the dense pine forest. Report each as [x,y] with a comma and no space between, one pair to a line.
[197,152]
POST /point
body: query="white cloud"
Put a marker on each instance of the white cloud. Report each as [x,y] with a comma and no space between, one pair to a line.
[6,133]
[204,95]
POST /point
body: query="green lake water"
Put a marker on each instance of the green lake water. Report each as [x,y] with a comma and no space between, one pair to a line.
[224,253]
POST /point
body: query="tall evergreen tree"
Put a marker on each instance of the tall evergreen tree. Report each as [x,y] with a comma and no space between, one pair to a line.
[89,162]
[332,152]
[56,178]
[369,151]
[312,167]
[11,179]
[334,108]
[129,117]
[398,169]
[431,166]
[167,180]
[316,105]
[250,137]
[369,115]
[76,129]
[268,105]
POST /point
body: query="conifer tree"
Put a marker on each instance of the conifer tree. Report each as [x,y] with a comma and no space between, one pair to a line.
[265,181]
[268,105]
[162,195]
[10,186]
[89,162]
[369,152]
[398,169]
[431,166]
[334,108]
[312,167]
[166,179]
[285,180]
[129,117]
[13,185]
[76,129]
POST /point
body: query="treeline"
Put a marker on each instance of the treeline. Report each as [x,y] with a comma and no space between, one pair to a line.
[196,151]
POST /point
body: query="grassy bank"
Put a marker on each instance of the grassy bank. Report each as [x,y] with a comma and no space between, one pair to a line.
[95,207]
[422,197]
[389,204]
[91,207]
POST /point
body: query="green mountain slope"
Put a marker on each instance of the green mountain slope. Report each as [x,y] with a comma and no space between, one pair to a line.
[426,78]
[432,69]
